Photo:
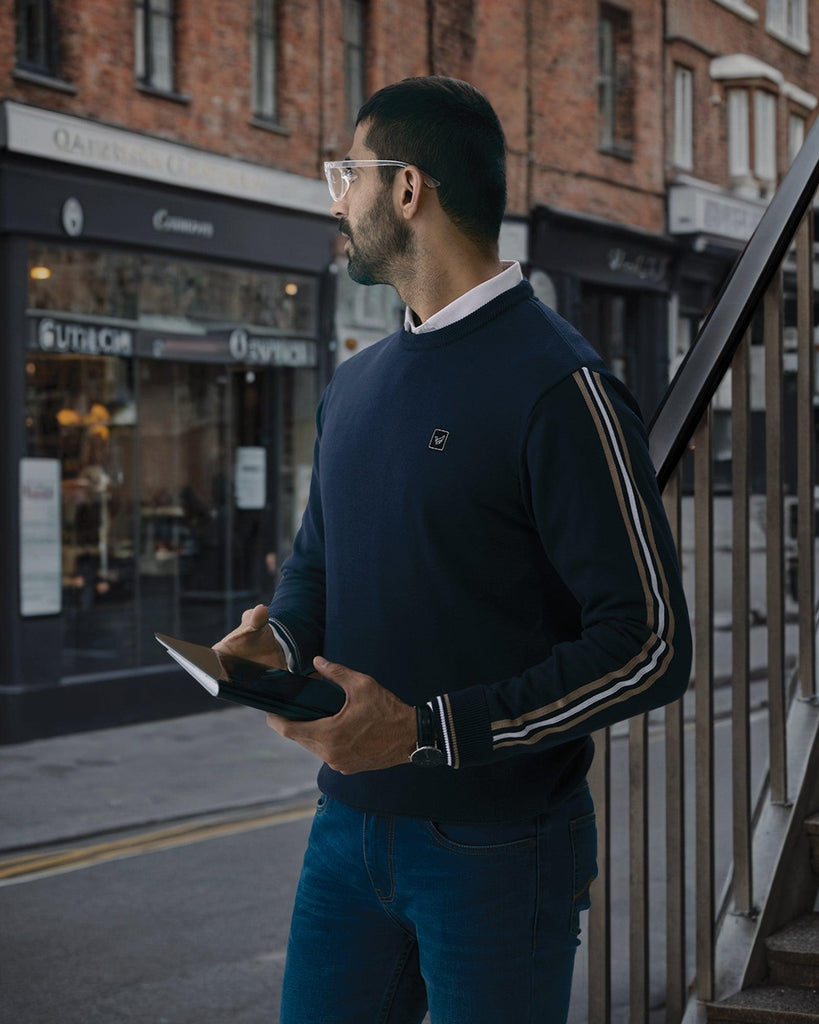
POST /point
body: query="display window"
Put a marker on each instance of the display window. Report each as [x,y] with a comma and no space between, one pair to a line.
[178,399]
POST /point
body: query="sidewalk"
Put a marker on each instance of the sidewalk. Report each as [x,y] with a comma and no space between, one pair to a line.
[75,786]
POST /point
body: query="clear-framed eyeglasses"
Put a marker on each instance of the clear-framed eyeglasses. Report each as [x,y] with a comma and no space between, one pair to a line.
[341,174]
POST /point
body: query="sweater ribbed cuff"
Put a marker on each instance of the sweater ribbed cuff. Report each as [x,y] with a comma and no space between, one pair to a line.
[463,719]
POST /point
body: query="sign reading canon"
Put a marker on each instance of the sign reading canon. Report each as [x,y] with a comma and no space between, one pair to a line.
[66,336]
[164,220]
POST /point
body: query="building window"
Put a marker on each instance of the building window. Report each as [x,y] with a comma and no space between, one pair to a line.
[739,162]
[765,136]
[683,117]
[264,61]
[796,135]
[36,37]
[354,56]
[615,80]
[154,39]
[788,19]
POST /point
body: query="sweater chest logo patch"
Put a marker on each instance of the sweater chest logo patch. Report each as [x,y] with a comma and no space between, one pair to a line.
[438,440]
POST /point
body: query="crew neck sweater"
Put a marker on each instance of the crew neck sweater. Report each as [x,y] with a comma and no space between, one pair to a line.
[484,533]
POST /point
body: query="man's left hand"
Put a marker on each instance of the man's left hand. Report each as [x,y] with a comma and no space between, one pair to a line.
[374,729]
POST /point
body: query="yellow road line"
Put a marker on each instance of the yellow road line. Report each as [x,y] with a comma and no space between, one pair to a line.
[25,866]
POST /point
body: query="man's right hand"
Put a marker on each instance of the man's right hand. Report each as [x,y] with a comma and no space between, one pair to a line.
[254,640]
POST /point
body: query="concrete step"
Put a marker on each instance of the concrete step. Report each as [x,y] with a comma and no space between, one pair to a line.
[769,1004]
[812,829]
[793,953]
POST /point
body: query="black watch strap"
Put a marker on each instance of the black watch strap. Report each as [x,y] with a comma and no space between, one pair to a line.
[427,753]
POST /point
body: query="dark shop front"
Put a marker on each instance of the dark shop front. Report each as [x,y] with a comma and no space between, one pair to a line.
[613,284]
[164,351]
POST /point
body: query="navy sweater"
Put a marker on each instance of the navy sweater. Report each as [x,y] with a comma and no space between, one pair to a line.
[484,532]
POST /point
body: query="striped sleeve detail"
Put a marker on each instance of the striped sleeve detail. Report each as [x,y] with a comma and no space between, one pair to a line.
[651,661]
[442,708]
[287,644]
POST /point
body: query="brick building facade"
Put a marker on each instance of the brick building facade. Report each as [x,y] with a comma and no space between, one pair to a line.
[174,299]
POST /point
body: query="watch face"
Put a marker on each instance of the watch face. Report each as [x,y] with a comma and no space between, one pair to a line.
[427,757]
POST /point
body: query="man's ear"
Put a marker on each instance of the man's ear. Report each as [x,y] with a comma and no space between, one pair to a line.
[409,191]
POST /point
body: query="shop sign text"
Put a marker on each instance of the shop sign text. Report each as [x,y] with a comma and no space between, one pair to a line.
[83,339]
[165,221]
[245,348]
[641,265]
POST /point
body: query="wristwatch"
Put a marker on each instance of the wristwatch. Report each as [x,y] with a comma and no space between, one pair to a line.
[427,753]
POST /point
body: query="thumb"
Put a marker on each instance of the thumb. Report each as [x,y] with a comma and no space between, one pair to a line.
[336,673]
[254,618]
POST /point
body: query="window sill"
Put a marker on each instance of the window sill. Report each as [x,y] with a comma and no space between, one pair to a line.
[739,7]
[800,45]
[46,81]
[268,126]
[623,152]
[162,94]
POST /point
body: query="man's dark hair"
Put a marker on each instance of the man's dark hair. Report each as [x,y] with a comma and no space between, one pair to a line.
[448,129]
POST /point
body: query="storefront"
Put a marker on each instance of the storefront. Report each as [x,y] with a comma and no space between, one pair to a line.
[613,284]
[164,349]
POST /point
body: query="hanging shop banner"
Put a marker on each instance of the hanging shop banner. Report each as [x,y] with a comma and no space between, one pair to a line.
[40,537]
[250,477]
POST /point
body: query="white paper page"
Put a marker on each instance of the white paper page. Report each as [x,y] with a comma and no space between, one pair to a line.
[201,677]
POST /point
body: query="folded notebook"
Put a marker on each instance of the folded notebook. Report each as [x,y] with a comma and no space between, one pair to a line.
[299,698]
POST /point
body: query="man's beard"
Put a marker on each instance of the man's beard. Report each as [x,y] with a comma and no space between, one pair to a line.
[385,237]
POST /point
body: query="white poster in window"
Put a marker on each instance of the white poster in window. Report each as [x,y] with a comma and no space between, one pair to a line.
[40,537]
[250,478]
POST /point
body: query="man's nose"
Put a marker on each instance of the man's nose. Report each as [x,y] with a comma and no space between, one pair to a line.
[338,209]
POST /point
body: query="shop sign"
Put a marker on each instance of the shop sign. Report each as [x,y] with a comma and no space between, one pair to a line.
[640,265]
[240,346]
[247,348]
[61,336]
[694,209]
[40,537]
[163,220]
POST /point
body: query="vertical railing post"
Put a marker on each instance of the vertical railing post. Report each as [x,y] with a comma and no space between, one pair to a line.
[740,639]
[704,714]
[599,941]
[774,528]
[806,443]
[676,960]
[638,869]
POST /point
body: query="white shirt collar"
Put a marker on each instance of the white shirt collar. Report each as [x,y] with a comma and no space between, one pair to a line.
[467,303]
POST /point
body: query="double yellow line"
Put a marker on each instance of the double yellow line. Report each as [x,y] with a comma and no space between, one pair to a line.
[39,863]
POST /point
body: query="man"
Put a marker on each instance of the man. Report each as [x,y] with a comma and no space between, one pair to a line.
[484,566]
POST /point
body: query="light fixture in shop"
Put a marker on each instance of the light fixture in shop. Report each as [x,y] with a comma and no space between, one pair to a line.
[39,273]
[291,288]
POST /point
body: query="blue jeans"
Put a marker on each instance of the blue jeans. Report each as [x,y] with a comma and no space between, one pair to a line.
[478,923]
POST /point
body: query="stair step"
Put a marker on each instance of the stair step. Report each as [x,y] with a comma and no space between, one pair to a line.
[812,829]
[793,953]
[769,1004]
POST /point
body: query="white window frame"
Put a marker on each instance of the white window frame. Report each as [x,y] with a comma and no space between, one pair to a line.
[765,135]
[154,43]
[265,60]
[787,20]
[797,126]
[683,155]
[739,138]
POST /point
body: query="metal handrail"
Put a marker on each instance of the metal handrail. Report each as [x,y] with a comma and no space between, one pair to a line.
[690,392]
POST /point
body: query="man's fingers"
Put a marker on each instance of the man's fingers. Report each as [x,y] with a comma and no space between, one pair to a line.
[337,673]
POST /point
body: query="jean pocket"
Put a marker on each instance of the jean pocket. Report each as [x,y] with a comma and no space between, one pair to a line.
[487,837]
[584,856]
